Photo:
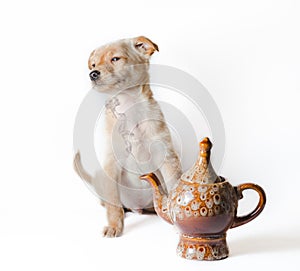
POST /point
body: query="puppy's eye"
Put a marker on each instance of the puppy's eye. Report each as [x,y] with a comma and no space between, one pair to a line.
[115,59]
[93,65]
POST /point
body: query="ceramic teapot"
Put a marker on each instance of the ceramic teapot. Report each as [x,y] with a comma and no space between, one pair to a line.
[203,206]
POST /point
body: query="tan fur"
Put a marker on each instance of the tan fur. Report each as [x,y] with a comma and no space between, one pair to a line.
[80,170]
[128,79]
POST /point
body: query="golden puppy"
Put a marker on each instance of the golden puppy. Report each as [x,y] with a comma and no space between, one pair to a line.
[137,139]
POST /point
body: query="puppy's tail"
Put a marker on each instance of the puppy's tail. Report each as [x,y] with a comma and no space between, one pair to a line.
[80,170]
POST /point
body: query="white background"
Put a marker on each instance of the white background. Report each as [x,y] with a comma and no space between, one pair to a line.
[246,53]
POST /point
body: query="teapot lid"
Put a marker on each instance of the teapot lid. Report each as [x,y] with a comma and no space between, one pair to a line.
[202,171]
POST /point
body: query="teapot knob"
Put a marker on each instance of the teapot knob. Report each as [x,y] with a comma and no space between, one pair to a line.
[205,147]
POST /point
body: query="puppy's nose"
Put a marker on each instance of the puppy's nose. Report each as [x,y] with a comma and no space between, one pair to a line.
[94,75]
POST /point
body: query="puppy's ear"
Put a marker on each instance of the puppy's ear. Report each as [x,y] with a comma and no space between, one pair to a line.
[145,46]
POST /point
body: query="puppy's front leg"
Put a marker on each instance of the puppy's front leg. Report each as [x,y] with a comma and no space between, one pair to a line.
[115,217]
[171,169]
[114,209]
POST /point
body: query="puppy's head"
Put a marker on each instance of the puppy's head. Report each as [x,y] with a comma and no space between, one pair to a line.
[121,64]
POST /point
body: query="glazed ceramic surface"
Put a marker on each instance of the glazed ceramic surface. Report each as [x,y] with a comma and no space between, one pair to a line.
[203,206]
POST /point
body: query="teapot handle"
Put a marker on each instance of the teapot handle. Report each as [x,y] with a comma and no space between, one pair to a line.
[241,220]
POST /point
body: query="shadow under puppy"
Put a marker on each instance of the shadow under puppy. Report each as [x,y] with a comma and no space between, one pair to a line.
[137,139]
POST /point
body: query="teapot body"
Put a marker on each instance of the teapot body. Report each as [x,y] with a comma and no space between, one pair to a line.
[203,213]
[202,209]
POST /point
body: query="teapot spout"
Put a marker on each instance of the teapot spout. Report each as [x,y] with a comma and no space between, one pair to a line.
[160,198]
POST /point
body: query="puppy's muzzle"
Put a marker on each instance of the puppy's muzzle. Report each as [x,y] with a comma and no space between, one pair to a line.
[94,75]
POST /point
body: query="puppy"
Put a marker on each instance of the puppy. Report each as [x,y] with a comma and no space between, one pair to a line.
[137,139]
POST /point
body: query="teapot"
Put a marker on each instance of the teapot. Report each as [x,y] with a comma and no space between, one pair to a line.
[203,206]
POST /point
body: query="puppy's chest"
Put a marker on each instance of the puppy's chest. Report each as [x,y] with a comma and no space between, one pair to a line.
[129,116]
[132,128]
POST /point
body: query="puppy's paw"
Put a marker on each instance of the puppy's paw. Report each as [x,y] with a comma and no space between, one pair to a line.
[111,232]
